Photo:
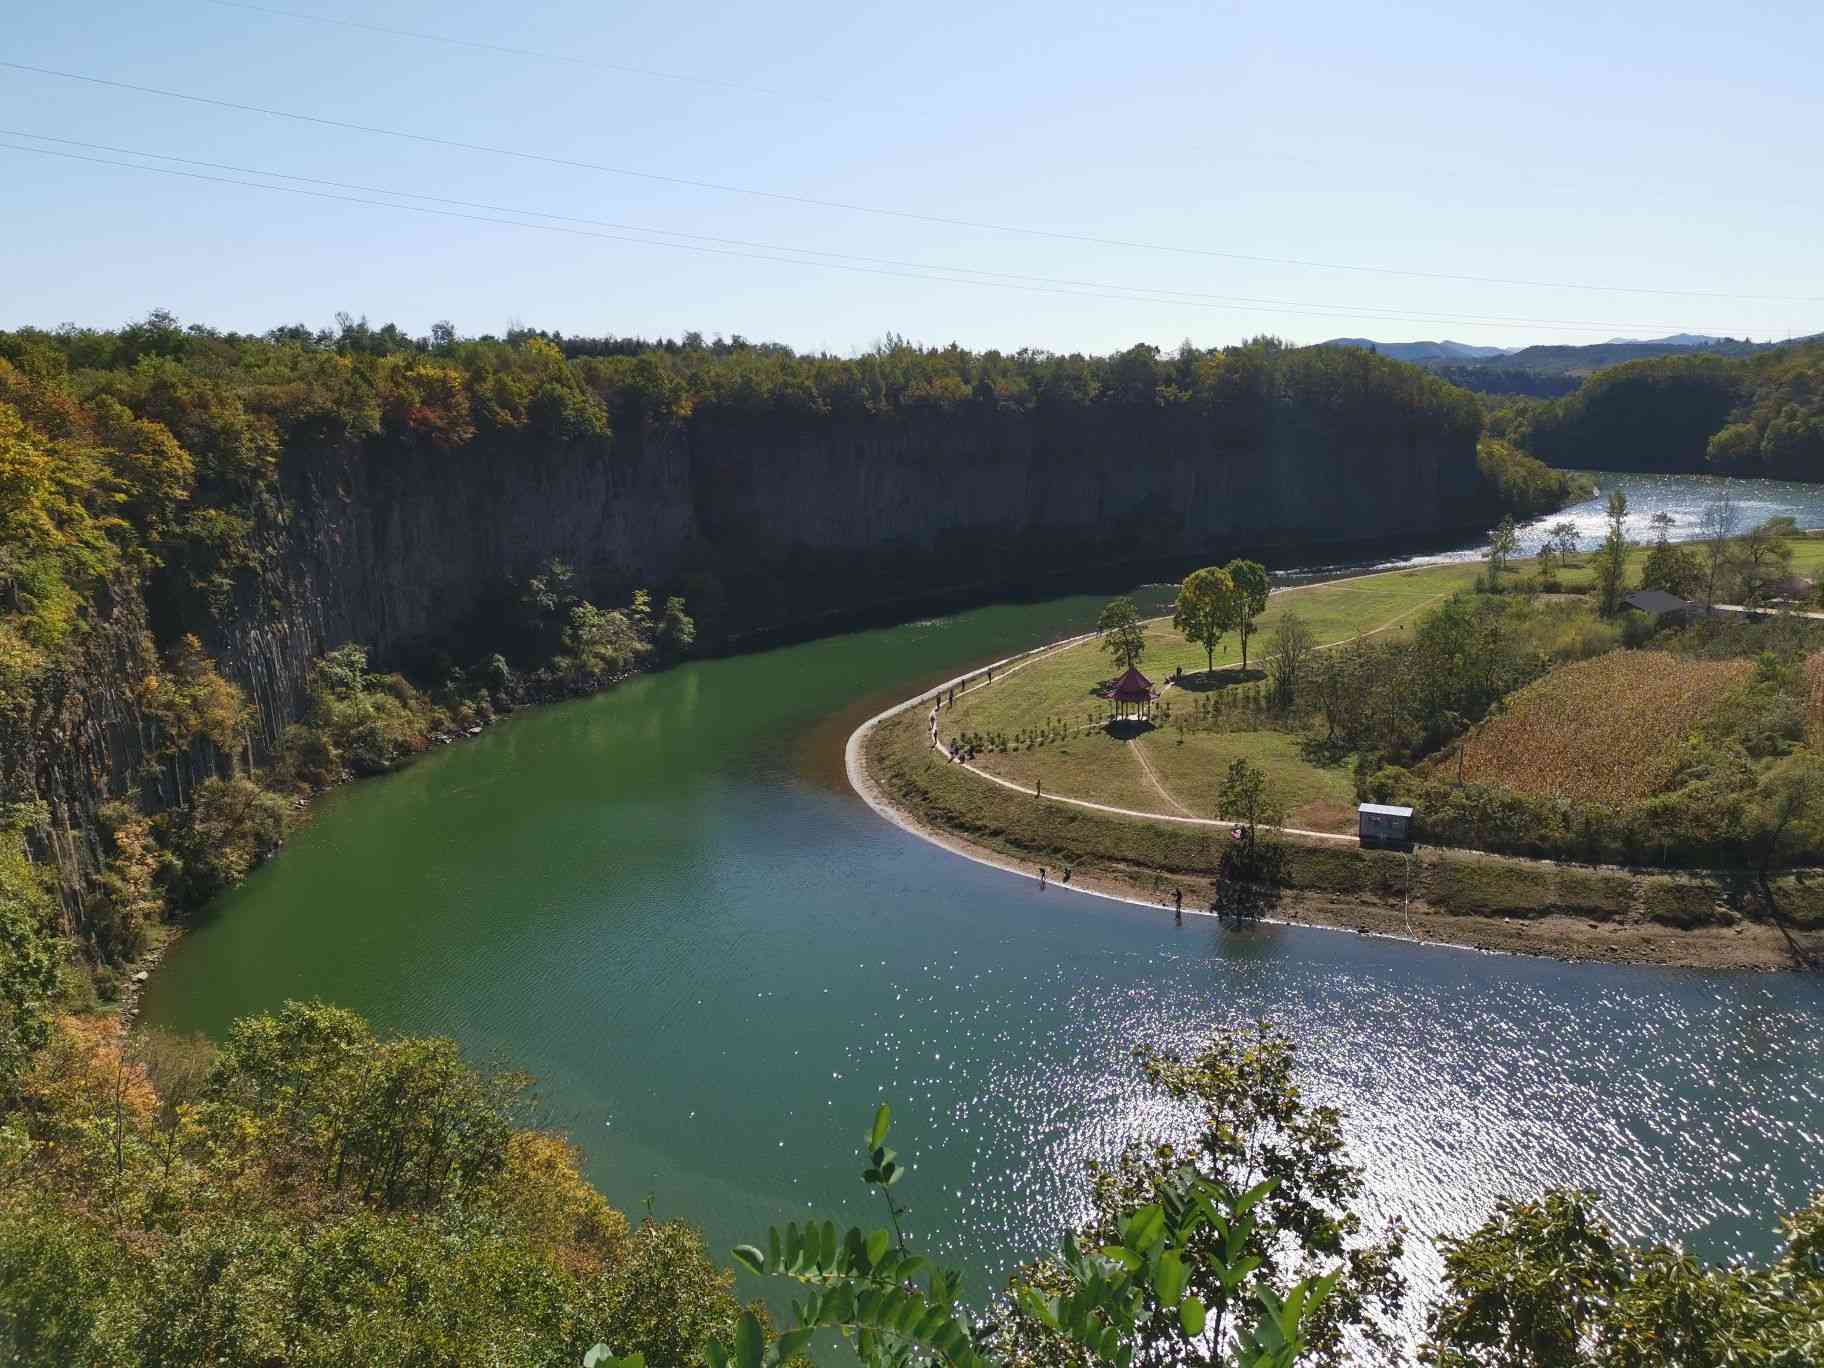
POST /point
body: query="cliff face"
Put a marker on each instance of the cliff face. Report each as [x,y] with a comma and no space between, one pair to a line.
[418,549]
[410,550]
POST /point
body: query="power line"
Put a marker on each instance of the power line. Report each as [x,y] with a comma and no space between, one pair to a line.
[514,51]
[1135,297]
[1151,293]
[912,215]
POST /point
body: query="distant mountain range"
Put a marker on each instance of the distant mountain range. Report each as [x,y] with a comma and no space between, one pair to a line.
[1546,370]
[1420,352]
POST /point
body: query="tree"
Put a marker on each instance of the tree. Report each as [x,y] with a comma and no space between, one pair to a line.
[1252,1126]
[599,643]
[1612,556]
[1170,1265]
[1122,635]
[1762,557]
[1254,857]
[676,631]
[1290,660]
[1669,567]
[1787,816]
[1250,579]
[547,599]
[1717,526]
[1503,541]
[28,963]
[1563,538]
[1206,609]
[1546,1284]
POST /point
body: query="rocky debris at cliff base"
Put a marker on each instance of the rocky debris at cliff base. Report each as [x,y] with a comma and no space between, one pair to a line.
[136,984]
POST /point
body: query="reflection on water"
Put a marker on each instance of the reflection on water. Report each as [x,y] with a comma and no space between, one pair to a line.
[718,967]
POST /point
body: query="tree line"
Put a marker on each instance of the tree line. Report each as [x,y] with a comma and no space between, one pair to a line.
[1759,415]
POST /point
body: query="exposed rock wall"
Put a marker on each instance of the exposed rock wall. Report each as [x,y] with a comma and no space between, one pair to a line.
[416,549]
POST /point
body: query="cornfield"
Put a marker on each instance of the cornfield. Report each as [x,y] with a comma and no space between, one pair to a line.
[1604,730]
[1814,716]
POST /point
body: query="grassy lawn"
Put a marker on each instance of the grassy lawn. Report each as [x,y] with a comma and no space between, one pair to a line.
[1318,796]
[1064,684]
[1093,765]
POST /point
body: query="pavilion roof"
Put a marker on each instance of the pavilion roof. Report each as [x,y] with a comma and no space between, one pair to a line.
[1132,687]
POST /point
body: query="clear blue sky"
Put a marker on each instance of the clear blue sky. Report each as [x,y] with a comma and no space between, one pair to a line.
[1665,146]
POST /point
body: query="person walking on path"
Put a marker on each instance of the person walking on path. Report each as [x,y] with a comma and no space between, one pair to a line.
[1178,905]
[1038,788]
[1041,878]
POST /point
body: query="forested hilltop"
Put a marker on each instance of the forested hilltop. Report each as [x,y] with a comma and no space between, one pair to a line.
[237,569]
[1759,415]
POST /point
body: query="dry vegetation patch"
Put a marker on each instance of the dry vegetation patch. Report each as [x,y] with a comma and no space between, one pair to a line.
[1602,730]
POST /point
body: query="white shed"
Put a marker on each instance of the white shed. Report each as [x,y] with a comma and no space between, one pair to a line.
[1384,824]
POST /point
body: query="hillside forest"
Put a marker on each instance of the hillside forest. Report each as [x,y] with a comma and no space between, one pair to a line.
[1748,416]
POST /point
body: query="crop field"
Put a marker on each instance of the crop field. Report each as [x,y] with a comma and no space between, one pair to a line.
[1604,730]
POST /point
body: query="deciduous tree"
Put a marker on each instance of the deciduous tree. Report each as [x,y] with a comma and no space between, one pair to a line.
[1122,635]
[1250,579]
[1206,609]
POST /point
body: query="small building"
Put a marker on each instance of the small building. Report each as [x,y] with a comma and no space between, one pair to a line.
[1132,690]
[1383,824]
[1657,604]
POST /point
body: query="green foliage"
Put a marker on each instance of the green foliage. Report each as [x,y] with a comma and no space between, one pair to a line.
[1208,605]
[1250,601]
[1105,1296]
[1524,485]
[1612,557]
[230,826]
[1503,541]
[1760,415]
[1546,1284]
[1280,1220]
[319,1196]
[1290,659]
[1122,635]
[599,644]
[1673,569]
[29,975]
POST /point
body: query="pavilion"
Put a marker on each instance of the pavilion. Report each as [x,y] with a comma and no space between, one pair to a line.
[1133,689]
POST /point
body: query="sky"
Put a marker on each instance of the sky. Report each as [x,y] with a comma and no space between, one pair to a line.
[1066,176]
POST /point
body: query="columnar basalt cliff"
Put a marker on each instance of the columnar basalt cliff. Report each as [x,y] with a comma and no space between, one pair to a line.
[416,549]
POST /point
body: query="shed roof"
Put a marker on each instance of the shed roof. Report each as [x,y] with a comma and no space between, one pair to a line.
[1132,685]
[1655,601]
[1384,810]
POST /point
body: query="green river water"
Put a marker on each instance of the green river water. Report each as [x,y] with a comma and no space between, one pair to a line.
[666,903]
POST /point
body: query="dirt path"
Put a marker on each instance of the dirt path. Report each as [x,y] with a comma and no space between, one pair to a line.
[1153,778]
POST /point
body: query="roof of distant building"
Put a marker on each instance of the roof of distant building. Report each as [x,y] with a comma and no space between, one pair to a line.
[1655,601]
[1132,687]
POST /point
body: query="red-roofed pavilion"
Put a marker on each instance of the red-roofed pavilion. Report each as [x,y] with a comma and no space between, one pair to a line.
[1133,689]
